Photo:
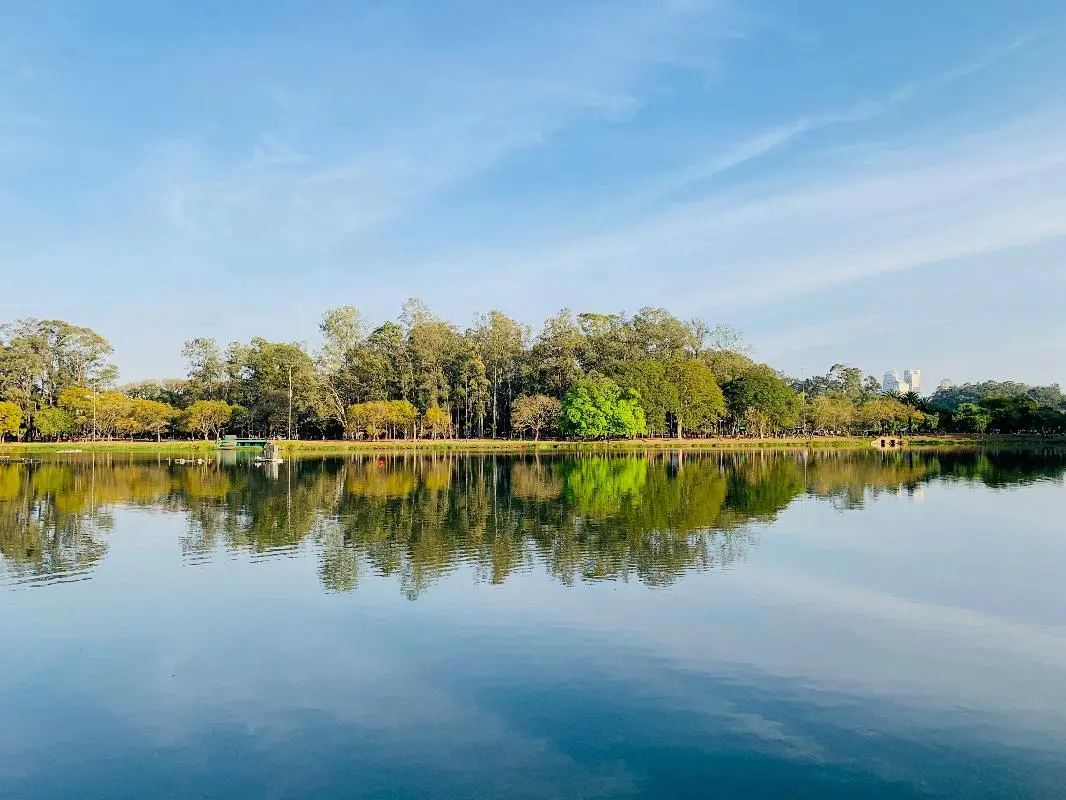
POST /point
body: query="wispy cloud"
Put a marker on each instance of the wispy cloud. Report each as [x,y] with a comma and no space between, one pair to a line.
[459,115]
[880,210]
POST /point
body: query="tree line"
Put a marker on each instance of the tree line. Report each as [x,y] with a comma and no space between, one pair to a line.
[583,376]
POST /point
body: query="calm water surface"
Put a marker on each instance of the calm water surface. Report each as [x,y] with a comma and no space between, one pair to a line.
[678,625]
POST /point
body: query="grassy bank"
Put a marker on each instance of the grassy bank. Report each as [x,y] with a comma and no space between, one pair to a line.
[176,448]
[311,448]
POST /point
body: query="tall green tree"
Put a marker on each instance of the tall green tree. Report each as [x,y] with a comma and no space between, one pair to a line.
[762,402]
[501,344]
[556,354]
[700,402]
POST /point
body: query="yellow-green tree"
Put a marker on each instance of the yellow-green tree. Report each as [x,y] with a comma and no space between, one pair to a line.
[830,413]
[10,420]
[53,422]
[153,417]
[207,417]
[437,422]
[885,414]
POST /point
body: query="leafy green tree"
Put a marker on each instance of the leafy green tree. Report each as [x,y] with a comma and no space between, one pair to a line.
[10,420]
[605,342]
[338,363]
[53,355]
[207,417]
[534,413]
[761,401]
[500,343]
[700,402]
[596,408]
[205,370]
[971,418]
[53,422]
[657,334]
[556,354]
[261,374]
[841,381]
[432,345]
[388,370]
[658,394]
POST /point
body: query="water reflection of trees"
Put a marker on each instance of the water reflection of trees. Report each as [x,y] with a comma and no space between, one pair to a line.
[651,518]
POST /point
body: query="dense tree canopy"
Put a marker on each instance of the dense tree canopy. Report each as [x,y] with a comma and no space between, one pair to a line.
[596,408]
[761,401]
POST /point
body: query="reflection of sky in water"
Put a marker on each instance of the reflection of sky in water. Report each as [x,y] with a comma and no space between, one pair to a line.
[912,648]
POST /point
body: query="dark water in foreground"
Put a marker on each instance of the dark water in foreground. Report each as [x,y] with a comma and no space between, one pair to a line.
[835,625]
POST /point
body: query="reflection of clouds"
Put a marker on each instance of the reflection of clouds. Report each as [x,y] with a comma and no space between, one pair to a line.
[931,662]
[271,685]
[775,732]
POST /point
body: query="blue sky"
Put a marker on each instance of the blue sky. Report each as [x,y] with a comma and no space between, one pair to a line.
[881,183]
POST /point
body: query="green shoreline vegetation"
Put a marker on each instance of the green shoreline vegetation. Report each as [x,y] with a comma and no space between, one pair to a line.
[579,382]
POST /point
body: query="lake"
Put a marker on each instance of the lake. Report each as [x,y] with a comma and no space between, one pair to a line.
[821,624]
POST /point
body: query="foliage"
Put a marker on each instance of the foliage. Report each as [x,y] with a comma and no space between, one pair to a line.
[54,422]
[152,417]
[207,417]
[10,420]
[688,379]
[700,402]
[888,415]
[827,412]
[761,402]
[975,393]
[971,418]
[658,395]
[41,358]
[596,408]
[388,418]
[437,422]
[535,413]
[842,381]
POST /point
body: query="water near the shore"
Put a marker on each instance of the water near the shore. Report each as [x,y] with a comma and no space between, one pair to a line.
[727,625]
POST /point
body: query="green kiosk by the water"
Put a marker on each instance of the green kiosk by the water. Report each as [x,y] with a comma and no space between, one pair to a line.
[230,442]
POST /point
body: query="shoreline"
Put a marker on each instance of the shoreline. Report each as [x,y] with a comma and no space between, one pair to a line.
[316,447]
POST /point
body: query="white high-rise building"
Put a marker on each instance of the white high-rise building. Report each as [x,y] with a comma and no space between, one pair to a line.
[913,379]
[891,382]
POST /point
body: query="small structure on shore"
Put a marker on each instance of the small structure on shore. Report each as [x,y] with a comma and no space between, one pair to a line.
[888,442]
[230,442]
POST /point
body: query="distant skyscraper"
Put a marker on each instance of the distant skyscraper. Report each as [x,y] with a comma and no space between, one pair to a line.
[891,382]
[945,384]
[913,379]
